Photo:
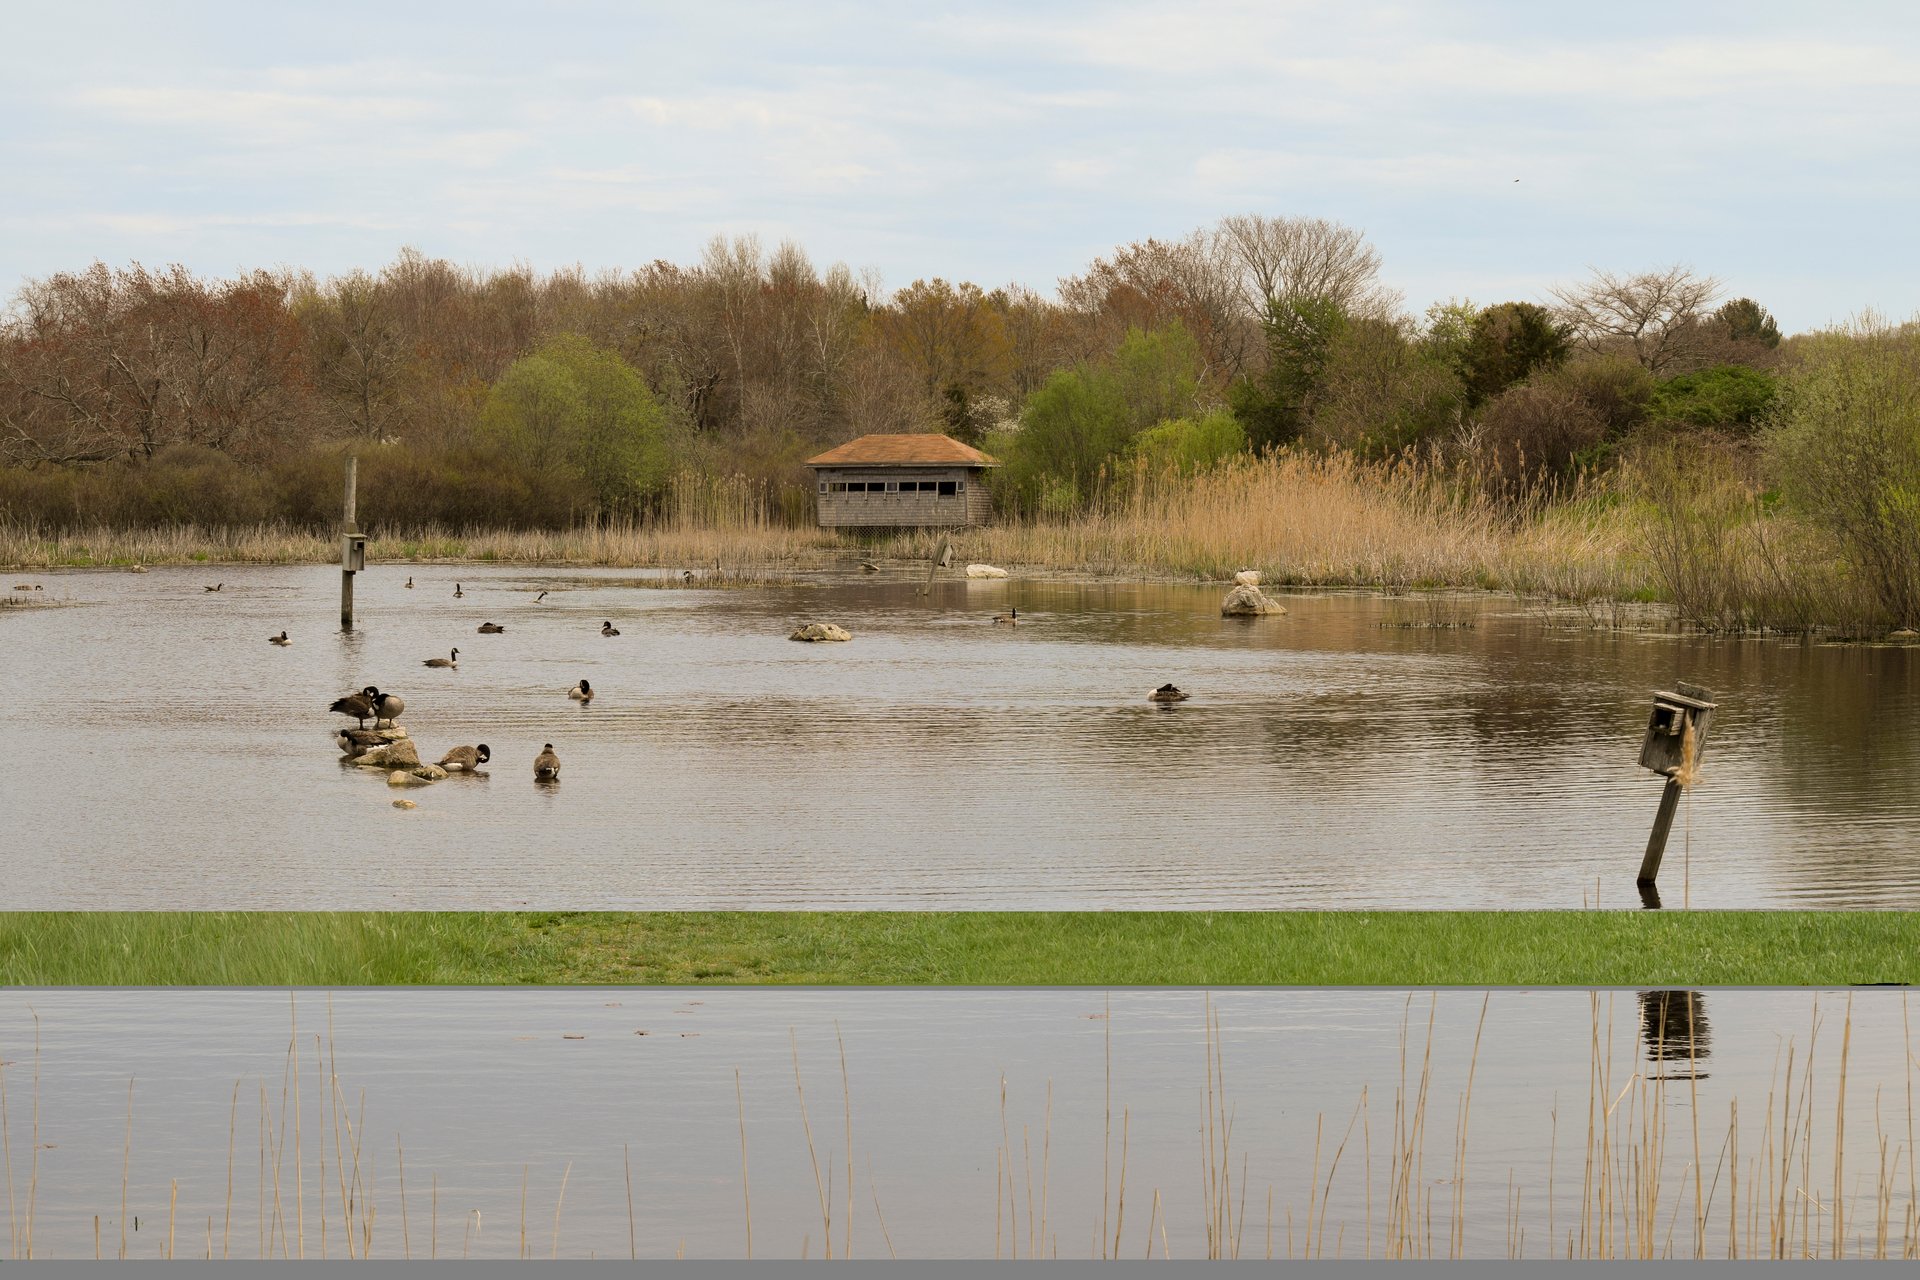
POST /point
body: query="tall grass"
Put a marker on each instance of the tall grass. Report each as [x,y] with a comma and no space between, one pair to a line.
[1641,1178]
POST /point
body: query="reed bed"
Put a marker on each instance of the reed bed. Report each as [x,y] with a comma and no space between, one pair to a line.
[1646,1173]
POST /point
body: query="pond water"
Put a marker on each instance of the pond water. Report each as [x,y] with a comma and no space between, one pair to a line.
[483,1093]
[162,754]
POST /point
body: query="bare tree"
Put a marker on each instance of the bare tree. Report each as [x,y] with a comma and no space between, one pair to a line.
[1149,283]
[1653,316]
[1287,260]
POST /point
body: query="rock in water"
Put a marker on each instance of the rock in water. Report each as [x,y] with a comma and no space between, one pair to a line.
[1246,601]
[985,571]
[405,804]
[821,631]
[428,772]
[1248,577]
[395,755]
[401,778]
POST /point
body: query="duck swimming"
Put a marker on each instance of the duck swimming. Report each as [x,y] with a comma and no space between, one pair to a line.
[582,692]
[608,629]
[1167,693]
[452,660]
[546,765]
[466,759]
[280,640]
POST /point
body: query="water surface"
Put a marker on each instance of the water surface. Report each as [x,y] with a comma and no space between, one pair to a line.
[944,1091]
[162,754]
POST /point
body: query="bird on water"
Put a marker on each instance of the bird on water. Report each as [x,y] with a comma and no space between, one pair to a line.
[582,692]
[215,587]
[466,759]
[1010,618]
[1167,693]
[452,660]
[546,765]
[542,596]
[491,628]
[280,640]
[457,592]
[608,629]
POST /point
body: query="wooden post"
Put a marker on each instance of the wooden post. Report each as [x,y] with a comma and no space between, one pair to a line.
[940,560]
[348,525]
[1657,842]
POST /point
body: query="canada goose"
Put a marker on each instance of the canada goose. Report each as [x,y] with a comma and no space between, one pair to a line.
[1167,693]
[280,640]
[542,596]
[451,660]
[457,592]
[491,628]
[355,743]
[215,587]
[360,705]
[582,692]
[386,706]
[466,759]
[409,582]
[686,575]
[546,765]
[608,629]
[1010,618]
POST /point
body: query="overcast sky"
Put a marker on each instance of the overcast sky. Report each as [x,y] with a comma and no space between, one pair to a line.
[1489,150]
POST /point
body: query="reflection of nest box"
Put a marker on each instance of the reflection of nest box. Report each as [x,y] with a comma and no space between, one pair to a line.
[1664,748]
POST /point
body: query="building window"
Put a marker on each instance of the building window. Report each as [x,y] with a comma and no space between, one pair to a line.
[948,488]
[823,486]
[837,486]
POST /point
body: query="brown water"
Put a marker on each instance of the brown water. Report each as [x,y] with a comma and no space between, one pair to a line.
[162,754]
[480,1090]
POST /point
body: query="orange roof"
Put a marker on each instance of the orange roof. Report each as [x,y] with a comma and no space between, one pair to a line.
[903,451]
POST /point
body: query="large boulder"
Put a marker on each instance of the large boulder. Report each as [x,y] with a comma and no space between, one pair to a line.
[815,631]
[395,755]
[985,571]
[1248,601]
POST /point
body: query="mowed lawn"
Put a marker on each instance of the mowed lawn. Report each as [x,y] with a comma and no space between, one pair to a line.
[1590,948]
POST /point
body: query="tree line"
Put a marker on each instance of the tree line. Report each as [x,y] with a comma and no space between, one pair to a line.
[517,398]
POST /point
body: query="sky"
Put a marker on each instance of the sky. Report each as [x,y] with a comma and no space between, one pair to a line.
[1488,150]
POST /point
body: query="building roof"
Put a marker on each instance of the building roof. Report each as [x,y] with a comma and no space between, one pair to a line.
[903,451]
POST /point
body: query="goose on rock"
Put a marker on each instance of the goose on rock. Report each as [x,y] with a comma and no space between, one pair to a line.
[466,759]
[386,706]
[360,706]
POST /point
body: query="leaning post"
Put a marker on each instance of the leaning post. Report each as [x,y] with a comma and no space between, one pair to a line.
[352,545]
[1677,717]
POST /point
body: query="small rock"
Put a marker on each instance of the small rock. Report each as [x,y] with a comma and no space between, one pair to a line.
[401,778]
[405,804]
[395,755]
[1246,601]
[1248,577]
[428,773]
[985,571]
[814,631]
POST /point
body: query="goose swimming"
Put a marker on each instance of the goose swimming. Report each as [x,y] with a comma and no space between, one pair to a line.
[490,628]
[1167,693]
[608,629]
[280,640]
[452,660]
[582,692]
[546,765]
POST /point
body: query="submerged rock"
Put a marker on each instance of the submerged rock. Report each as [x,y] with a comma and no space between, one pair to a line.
[1248,601]
[985,571]
[821,631]
[405,804]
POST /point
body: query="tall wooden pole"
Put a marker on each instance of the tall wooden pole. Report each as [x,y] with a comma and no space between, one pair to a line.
[348,525]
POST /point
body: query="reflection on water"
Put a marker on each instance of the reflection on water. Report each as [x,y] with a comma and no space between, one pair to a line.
[164,755]
[980,1121]
[1675,1030]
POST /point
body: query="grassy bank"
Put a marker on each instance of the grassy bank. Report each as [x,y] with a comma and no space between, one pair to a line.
[965,948]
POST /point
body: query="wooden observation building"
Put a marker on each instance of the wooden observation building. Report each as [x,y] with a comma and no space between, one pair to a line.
[901,481]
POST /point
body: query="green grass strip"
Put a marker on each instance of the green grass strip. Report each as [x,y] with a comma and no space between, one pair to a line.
[1001,948]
